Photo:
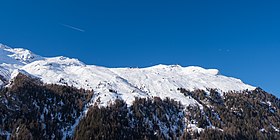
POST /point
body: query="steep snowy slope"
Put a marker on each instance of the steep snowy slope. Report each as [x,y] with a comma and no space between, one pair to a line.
[128,83]
[113,83]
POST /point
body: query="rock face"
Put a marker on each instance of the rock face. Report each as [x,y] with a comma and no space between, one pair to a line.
[60,97]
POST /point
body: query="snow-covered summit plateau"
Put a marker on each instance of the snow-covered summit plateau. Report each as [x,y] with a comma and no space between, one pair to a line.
[113,83]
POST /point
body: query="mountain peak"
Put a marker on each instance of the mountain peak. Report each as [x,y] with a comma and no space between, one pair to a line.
[17,56]
[2,46]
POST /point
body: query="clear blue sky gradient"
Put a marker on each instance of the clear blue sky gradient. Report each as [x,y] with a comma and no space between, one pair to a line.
[240,38]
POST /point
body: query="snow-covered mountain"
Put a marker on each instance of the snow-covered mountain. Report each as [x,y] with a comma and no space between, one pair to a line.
[63,98]
[123,83]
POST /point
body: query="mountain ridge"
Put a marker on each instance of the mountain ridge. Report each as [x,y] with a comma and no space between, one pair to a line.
[127,83]
[63,98]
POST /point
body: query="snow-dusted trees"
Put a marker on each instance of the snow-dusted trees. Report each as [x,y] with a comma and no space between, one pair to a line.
[30,109]
[145,119]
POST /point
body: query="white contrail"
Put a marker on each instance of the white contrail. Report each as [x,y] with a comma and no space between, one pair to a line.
[72,27]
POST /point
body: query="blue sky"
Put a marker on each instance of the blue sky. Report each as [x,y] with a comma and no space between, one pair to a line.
[240,38]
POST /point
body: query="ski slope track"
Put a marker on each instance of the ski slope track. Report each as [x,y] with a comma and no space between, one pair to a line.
[115,83]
